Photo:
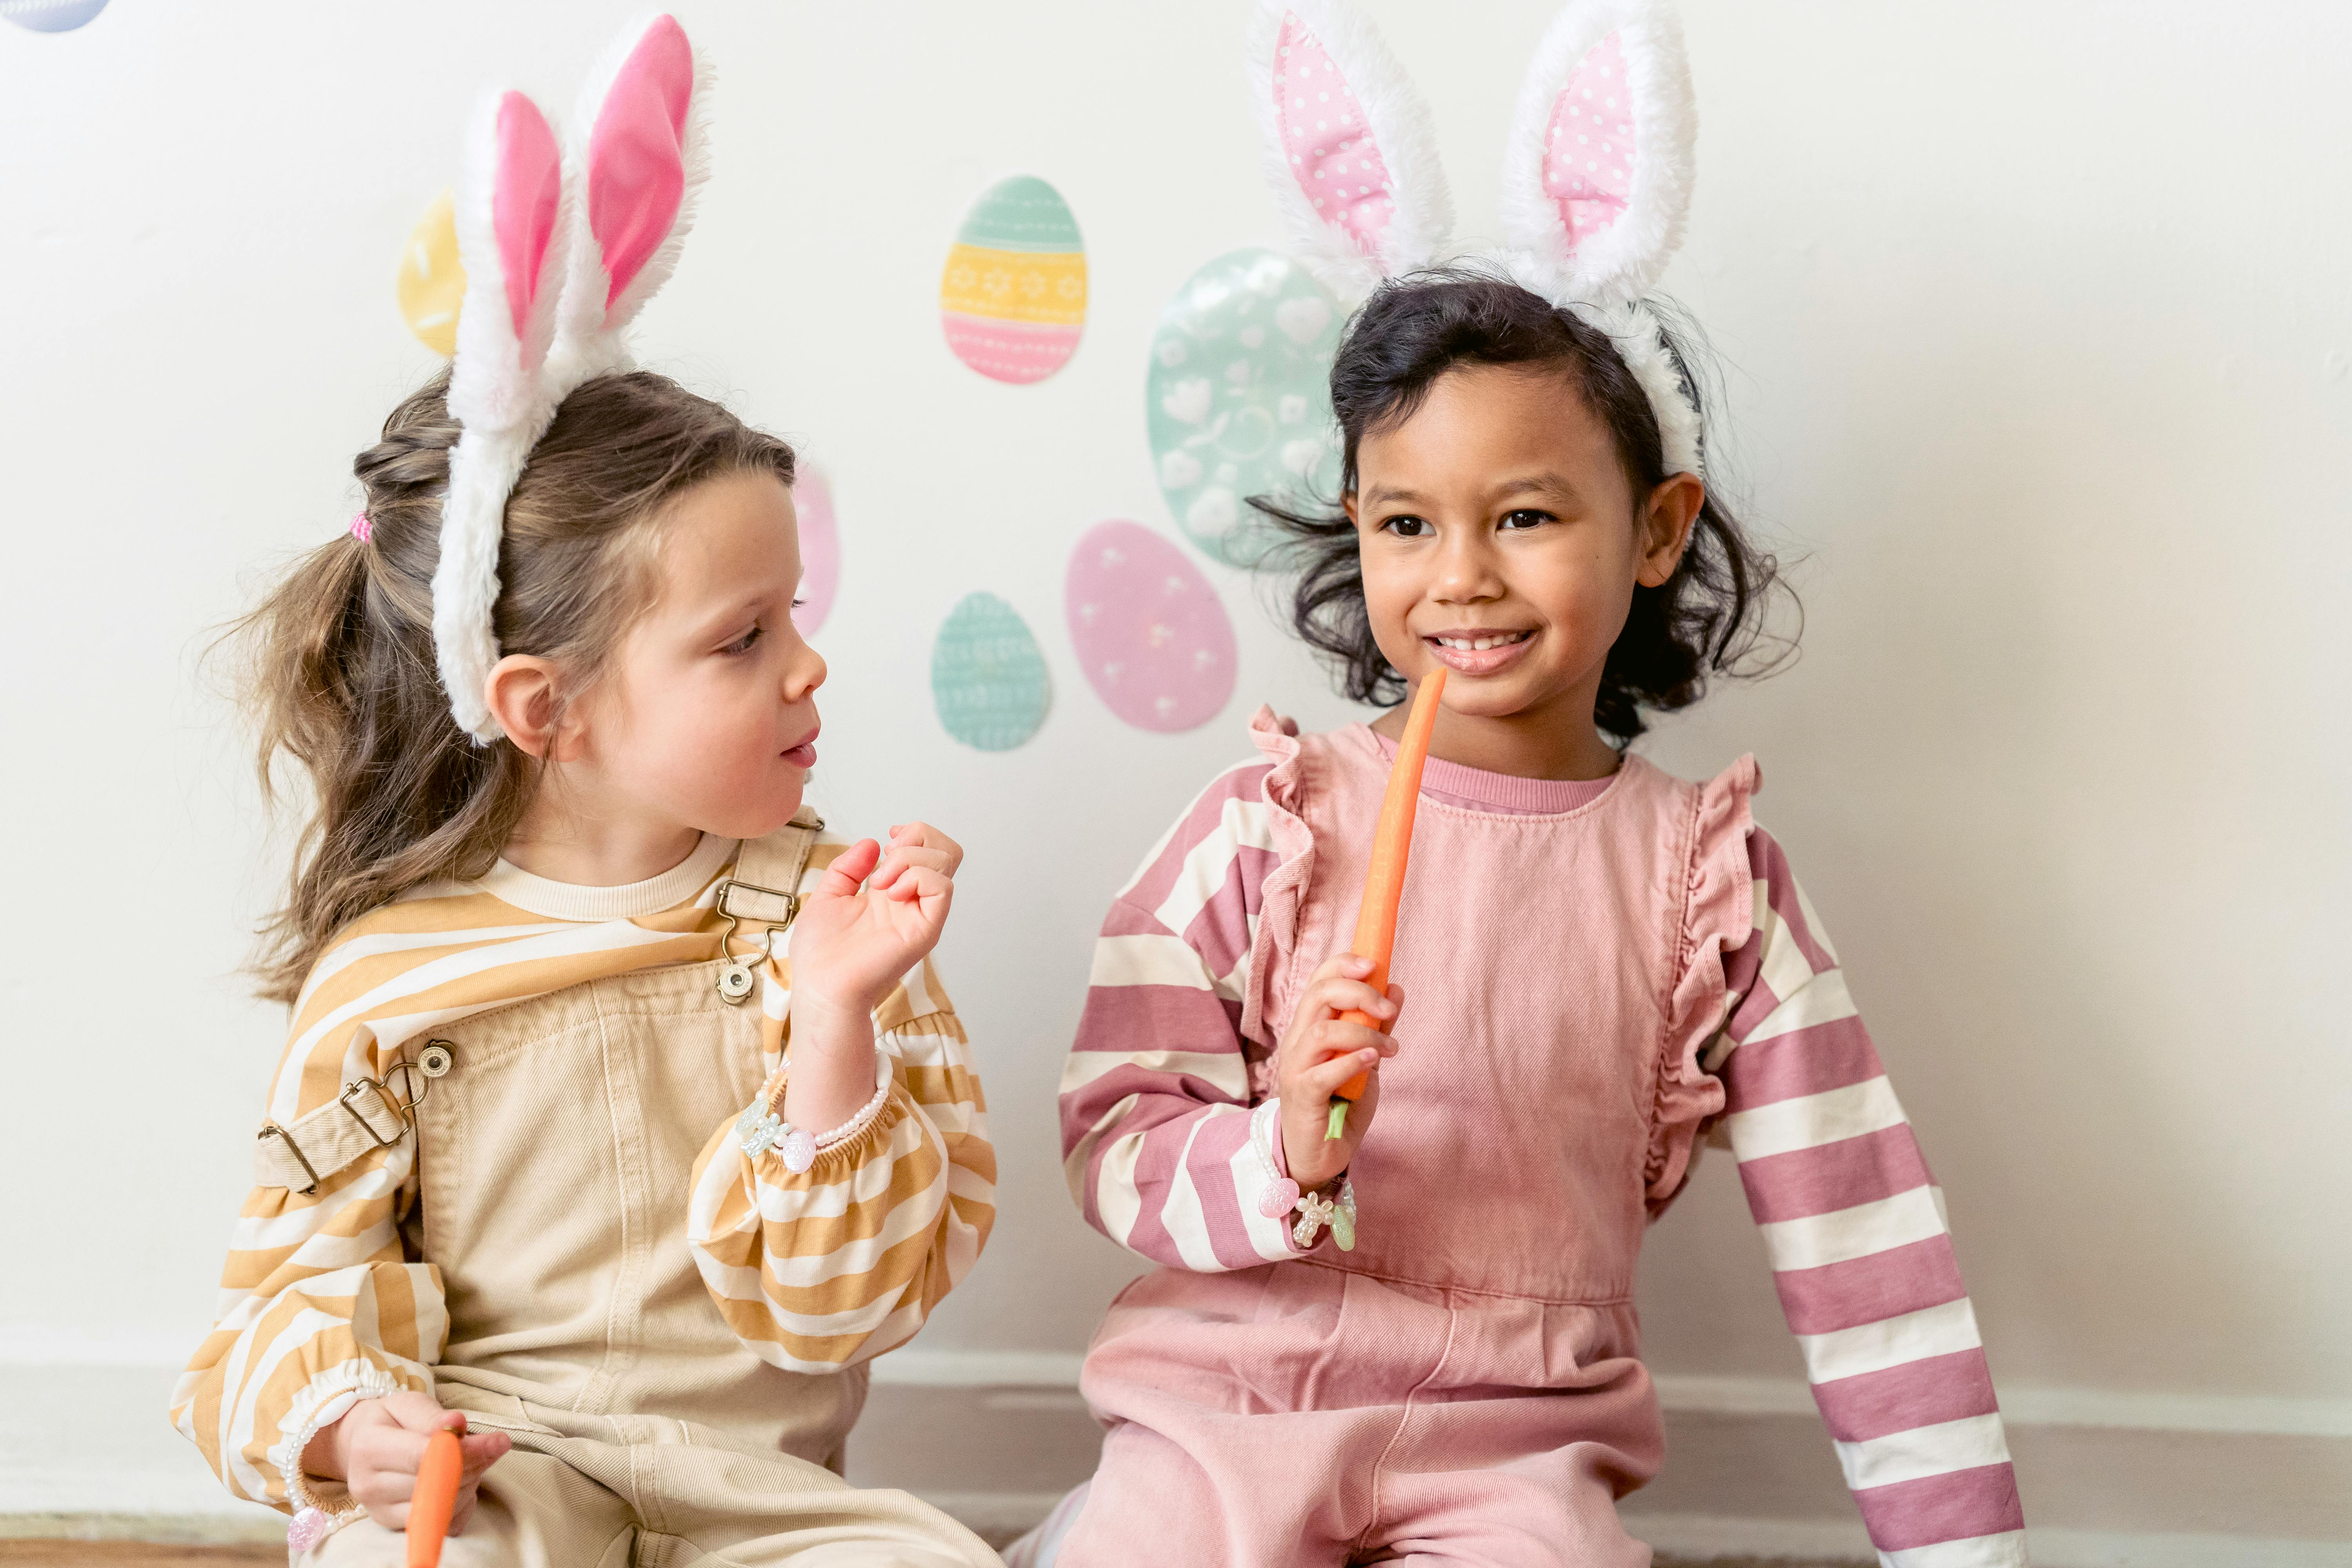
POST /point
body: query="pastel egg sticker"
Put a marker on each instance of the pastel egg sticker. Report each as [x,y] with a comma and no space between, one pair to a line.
[820,549]
[988,679]
[1150,631]
[51,15]
[432,282]
[1014,298]
[1237,401]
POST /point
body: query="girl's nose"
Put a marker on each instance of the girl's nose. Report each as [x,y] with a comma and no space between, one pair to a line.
[1465,569]
[804,674]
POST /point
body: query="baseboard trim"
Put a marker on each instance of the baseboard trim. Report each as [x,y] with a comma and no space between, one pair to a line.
[2020,1406]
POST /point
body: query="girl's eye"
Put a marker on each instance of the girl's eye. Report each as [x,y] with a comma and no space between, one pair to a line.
[799,604]
[1525,517]
[1407,526]
[743,643]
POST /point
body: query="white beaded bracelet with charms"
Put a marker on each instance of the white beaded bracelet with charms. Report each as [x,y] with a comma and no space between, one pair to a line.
[1281,1195]
[762,1126]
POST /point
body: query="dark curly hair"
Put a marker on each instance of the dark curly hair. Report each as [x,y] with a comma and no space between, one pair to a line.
[1705,620]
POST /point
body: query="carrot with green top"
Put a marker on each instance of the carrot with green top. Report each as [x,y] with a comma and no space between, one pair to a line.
[1384,882]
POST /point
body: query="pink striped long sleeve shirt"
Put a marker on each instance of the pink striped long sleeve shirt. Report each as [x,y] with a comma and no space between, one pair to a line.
[1155,1106]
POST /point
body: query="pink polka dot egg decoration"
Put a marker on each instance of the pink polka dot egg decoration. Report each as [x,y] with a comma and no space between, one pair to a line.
[1150,631]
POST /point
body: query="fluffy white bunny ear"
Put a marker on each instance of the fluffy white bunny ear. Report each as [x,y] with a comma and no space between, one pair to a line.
[510,236]
[1347,144]
[639,161]
[1597,173]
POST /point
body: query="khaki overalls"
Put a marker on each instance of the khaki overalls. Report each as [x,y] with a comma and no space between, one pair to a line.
[555,1156]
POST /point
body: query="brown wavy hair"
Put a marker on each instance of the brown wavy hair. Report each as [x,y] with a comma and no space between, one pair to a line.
[338,668]
[1707,619]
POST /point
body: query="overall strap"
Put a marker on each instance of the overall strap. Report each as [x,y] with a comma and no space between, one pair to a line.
[364,1117]
[766,885]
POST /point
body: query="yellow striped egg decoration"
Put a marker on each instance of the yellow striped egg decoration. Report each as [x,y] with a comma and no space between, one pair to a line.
[1013,300]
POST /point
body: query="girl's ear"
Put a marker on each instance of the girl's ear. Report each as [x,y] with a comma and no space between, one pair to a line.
[1666,521]
[1346,143]
[640,163]
[1597,172]
[521,693]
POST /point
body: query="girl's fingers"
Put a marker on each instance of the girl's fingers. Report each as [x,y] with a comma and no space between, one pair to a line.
[903,856]
[852,866]
[928,837]
[1341,966]
[1351,995]
[920,884]
[1323,1080]
[1335,1039]
[479,1452]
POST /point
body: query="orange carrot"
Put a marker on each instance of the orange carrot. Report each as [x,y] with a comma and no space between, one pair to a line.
[1384,882]
[434,1499]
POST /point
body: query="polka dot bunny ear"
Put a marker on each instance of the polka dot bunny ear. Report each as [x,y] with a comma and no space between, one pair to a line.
[1349,152]
[1597,172]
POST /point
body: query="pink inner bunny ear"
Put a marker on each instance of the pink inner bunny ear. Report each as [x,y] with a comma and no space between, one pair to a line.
[636,161]
[1328,142]
[524,195]
[1587,169]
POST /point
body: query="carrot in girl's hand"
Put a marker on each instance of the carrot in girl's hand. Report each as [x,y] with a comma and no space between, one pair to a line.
[435,1497]
[1384,882]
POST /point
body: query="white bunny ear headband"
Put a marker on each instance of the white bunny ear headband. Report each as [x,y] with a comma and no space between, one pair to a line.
[1596,176]
[561,252]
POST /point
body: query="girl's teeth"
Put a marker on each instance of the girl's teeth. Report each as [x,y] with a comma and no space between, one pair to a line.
[1478,644]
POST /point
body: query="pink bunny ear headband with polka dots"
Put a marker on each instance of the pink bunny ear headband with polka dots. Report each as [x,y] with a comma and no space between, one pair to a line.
[561,249]
[1596,174]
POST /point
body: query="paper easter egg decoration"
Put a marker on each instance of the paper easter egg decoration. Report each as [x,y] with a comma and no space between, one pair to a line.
[988,678]
[1237,401]
[1013,300]
[51,15]
[1150,633]
[819,548]
[432,282]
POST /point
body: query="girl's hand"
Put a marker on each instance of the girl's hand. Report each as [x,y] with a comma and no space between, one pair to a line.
[1319,1054]
[377,1446]
[850,944]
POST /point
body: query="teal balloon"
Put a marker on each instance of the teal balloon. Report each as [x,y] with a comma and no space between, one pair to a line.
[988,678]
[1237,401]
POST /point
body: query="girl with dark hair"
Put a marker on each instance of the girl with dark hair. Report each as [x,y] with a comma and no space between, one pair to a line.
[1416,1341]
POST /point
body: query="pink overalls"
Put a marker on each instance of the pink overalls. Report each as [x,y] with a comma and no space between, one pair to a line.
[1464,1386]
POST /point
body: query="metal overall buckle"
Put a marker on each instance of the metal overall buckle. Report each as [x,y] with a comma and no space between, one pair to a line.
[737,978]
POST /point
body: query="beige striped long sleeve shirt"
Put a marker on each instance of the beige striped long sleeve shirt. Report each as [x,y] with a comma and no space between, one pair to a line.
[322,1302]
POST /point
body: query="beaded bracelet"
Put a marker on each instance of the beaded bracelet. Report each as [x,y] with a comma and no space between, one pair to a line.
[1281,1195]
[762,1127]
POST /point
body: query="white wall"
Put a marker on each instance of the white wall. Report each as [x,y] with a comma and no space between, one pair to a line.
[2036,322]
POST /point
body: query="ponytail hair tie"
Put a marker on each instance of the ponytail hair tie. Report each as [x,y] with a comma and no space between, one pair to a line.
[362,529]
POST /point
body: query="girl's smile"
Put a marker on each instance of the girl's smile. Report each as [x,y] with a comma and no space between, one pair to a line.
[1475,652]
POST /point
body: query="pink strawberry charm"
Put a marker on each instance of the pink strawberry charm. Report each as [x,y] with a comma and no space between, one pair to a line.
[306,1530]
[799,1151]
[1277,1197]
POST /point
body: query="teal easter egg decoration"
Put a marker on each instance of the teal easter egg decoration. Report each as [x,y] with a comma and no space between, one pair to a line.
[988,678]
[1237,401]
